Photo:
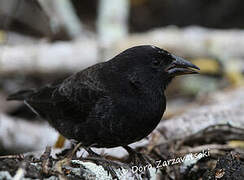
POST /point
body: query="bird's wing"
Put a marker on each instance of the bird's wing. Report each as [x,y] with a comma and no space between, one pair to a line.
[82,92]
[73,99]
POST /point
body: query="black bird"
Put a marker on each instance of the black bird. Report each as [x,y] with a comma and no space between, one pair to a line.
[113,103]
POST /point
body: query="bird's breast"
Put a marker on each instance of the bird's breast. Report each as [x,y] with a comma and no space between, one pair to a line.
[138,117]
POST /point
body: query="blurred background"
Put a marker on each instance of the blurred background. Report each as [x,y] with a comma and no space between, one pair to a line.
[46,40]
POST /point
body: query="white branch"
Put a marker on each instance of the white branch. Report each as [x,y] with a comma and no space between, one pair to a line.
[62,14]
[19,135]
[45,57]
[75,55]
[192,41]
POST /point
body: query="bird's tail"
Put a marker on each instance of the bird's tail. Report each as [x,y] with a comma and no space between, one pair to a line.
[21,95]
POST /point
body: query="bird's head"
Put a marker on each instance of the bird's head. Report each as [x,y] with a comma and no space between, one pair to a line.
[151,64]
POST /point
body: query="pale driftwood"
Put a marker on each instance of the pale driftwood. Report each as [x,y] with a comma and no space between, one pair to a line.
[75,55]
[18,135]
[192,41]
[62,14]
[47,57]
[112,20]
[225,108]
[112,24]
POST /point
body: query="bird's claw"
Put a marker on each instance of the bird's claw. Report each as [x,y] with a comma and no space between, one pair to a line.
[140,160]
[107,165]
[66,161]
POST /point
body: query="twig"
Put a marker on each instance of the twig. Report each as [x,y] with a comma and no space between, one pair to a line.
[45,160]
[205,147]
[17,156]
[210,130]
[116,164]
[20,172]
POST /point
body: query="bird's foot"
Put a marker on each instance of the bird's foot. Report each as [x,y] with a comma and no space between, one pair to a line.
[140,161]
[66,161]
[106,164]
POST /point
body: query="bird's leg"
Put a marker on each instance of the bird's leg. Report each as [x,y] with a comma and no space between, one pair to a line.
[91,152]
[97,157]
[134,156]
[138,159]
[66,160]
[99,160]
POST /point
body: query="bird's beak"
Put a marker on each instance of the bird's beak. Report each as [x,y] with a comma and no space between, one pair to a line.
[180,66]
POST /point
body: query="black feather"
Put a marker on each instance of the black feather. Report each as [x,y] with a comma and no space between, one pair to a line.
[110,104]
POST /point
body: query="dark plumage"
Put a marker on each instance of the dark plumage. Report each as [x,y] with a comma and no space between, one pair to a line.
[113,103]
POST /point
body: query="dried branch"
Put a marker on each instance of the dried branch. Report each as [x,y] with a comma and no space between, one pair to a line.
[75,55]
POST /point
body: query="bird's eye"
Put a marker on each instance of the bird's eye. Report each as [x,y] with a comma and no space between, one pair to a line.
[156,63]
